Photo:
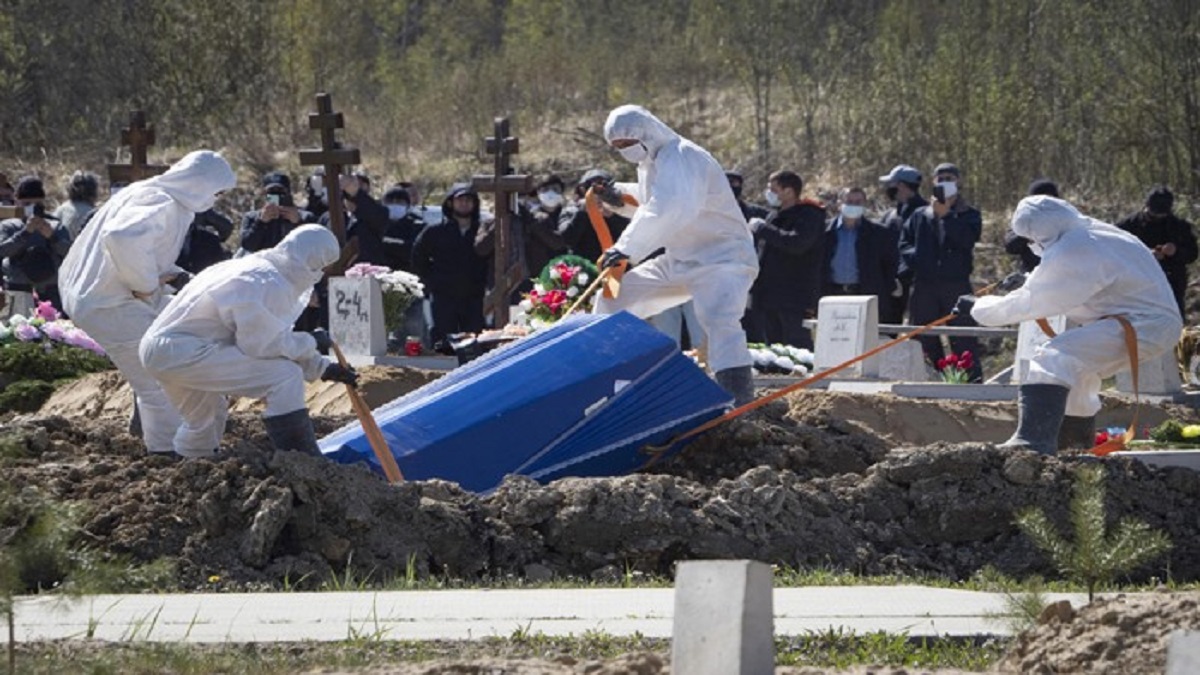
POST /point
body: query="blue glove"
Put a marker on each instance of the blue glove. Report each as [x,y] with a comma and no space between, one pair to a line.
[1011,282]
[324,341]
[336,373]
[964,305]
[612,258]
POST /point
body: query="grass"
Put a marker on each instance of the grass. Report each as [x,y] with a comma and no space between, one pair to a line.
[825,649]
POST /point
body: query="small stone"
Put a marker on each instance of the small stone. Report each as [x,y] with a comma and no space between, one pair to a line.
[1110,618]
[1060,611]
[1021,469]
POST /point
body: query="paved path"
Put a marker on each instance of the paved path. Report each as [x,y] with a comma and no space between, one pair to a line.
[467,614]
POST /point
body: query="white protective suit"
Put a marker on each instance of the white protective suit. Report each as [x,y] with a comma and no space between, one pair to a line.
[1089,270]
[686,206]
[229,332]
[130,245]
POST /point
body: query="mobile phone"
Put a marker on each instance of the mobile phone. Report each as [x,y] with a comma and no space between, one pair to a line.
[939,193]
[273,199]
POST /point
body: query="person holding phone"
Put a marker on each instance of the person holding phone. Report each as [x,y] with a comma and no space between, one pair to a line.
[266,227]
[937,246]
[33,247]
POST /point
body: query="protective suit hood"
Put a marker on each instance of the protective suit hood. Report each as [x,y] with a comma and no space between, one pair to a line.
[195,180]
[634,121]
[1045,219]
[304,254]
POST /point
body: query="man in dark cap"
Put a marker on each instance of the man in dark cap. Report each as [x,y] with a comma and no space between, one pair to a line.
[33,247]
[454,275]
[749,210]
[266,227]
[574,226]
[1169,238]
[1015,244]
[903,188]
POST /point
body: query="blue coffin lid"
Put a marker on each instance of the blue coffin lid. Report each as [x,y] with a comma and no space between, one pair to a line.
[578,398]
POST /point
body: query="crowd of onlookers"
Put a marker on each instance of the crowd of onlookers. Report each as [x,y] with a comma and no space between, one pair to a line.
[916,258]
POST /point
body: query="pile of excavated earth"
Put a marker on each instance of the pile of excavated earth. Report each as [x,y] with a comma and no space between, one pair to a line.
[872,484]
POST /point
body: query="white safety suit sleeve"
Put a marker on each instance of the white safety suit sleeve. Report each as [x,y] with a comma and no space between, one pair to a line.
[1049,290]
[672,201]
[128,238]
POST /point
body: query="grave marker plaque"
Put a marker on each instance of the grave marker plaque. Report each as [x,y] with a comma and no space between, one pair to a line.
[356,316]
[847,326]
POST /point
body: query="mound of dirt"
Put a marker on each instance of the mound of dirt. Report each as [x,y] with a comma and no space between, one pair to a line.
[1125,634]
[796,485]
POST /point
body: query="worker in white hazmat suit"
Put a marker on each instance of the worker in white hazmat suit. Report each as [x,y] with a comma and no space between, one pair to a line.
[229,332]
[1089,271]
[114,279]
[686,207]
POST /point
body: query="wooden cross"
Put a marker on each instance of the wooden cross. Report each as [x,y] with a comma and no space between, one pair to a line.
[509,263]
[139,137]
[333,157]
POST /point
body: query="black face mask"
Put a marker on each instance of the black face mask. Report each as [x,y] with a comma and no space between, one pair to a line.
[892,192]
[737,191]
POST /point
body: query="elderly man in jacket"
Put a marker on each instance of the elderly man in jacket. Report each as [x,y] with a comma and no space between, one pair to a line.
[114,279]
[1091,272]
[687,208]
[229,332]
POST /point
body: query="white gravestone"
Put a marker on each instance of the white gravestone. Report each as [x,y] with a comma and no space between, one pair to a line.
[1158,377]
[724,618]
[847,326]
[356,316]
[1029,337]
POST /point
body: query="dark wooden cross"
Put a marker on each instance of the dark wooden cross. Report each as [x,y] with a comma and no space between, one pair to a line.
[139,137]
[333,157]
[509,262]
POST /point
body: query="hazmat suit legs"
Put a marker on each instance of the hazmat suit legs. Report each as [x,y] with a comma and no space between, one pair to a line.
[719,292]
[198,375]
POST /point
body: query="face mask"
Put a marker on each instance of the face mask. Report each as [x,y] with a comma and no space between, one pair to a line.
[551,199]
[949,189]
[853,211]
[1037,248]
[772,198]
[397,211]
[636,153]
[892,192]
[316,184]
[29,210]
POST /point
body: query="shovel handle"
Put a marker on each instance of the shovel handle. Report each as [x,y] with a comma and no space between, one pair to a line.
[374,435]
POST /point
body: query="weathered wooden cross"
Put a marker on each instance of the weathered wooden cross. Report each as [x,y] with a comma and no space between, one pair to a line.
[139,137]
[333,157]
[509,263]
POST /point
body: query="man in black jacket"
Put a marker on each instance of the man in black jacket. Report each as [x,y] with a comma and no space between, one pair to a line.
[366,220]
[402,230]
[266,227]
[33,248]
[537,228]
[790,245]
[574,226]
[453,273]
[1168,236]
[1015,244]
[937,248]
[861,255]
[903,188]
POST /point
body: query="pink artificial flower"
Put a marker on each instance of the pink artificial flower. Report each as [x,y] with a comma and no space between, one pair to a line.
[26,333]
[54,331]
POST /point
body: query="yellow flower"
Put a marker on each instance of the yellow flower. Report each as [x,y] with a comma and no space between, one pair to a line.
[214,579]
[1191,431]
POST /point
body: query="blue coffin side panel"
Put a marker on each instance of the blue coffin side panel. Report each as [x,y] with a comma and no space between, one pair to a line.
[577,399]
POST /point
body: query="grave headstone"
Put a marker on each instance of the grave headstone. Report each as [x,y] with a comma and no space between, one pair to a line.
[356,316]
[847,326]
[1183,653]
[724,618]
[1157,377]
[904,362]
[1029,337]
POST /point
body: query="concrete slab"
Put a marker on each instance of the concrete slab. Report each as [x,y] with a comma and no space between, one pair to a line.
[1188,459]
[438,362]
[472,614]
[723,618]
[1183,653]
[958,392]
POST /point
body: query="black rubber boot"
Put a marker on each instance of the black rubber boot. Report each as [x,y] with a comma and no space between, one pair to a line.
[739,382]
[293,431]
[1077,433]
[1041,411]
[135,420]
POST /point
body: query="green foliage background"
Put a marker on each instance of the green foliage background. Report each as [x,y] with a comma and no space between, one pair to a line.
[1102,96]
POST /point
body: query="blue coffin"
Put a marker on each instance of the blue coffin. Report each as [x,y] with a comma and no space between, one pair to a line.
[581,398]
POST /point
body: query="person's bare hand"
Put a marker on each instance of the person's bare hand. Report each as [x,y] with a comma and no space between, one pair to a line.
[940,209]
[289,213]
[35,224]
[270,212]
[1168,249]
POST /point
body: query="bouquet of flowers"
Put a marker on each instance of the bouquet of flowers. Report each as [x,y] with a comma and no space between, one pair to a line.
[560,283]
[48,328]
[400,290]
[956,368]
[781,359]
[37,352]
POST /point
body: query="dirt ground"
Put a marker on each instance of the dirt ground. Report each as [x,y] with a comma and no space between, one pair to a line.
[871,484]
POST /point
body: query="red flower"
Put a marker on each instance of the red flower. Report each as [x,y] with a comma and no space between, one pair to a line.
[555,299]
[1101,437]
[941,363]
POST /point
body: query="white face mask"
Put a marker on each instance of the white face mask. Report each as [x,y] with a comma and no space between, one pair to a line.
[636,153]
[29,210]
[551,199]
[772,198]
[316,183]
[853,211]
[949,188]
[397,211]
